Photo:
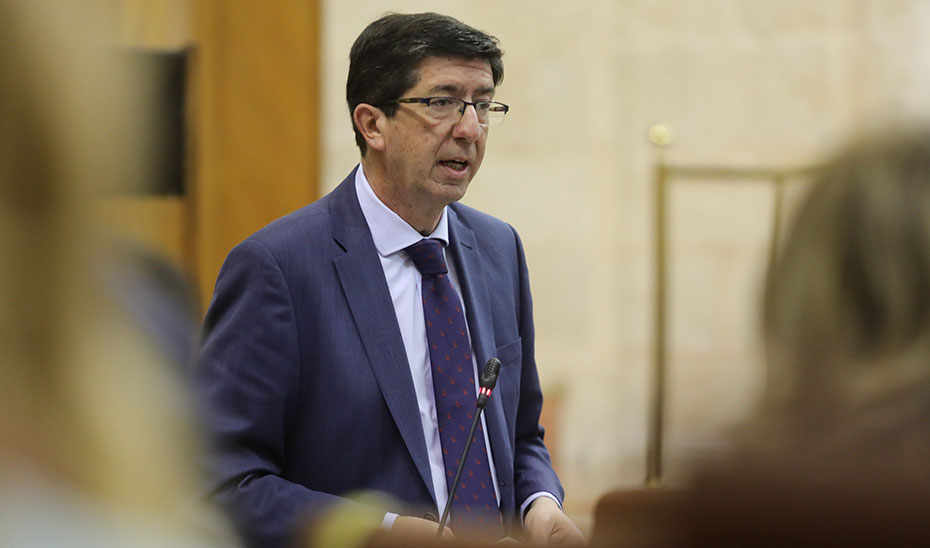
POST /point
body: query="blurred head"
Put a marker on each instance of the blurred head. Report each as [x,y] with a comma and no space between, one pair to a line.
[88,401]
[847,302]
[385,59]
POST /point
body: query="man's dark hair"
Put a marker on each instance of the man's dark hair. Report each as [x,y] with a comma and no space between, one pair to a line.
[386,56]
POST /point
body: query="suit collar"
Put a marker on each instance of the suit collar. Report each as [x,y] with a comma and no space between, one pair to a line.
[362,278]
[348,224]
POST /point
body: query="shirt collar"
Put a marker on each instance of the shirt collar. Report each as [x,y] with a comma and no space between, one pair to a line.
[389,232]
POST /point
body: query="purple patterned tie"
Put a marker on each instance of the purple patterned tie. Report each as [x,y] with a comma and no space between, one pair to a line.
[475,505]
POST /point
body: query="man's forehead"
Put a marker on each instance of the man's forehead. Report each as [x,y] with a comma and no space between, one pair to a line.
[441,68]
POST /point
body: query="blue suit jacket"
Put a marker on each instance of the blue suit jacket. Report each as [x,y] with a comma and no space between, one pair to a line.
[305,383]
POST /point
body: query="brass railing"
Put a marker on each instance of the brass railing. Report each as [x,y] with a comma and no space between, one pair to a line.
[664,175]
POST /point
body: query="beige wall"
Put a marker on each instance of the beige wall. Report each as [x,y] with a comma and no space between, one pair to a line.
[743,83]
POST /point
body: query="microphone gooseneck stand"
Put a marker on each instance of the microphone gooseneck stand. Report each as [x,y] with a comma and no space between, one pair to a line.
[487,382]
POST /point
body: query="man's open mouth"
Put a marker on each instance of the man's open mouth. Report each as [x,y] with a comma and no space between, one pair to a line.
[457,165]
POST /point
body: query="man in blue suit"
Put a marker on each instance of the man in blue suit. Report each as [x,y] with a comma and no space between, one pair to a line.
[320,374]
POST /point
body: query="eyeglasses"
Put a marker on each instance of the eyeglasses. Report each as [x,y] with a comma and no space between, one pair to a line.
[490,113]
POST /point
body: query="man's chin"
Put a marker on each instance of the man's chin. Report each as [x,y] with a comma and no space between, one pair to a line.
[455,194]
[449,191]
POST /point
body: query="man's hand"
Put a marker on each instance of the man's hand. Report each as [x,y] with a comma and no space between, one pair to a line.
[547,524]
[418,528]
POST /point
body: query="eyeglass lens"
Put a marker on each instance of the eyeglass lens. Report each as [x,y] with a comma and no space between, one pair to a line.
[488,113]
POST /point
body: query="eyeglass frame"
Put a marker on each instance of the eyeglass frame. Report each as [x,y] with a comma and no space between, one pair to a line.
[465,104]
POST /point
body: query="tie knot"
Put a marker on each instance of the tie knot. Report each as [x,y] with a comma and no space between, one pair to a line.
[427,256]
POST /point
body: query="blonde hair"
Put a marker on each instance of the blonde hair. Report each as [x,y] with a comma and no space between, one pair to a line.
[846,317]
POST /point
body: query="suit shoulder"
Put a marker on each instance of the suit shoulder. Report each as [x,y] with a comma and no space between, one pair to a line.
[481,222]
[306,225]
[311,226]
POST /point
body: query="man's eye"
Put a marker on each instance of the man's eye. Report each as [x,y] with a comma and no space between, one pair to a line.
[442,102]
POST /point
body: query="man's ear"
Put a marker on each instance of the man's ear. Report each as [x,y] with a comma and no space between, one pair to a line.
[370,123]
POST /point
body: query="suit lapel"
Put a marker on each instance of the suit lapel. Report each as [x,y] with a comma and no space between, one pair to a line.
[366,290]
[474,284]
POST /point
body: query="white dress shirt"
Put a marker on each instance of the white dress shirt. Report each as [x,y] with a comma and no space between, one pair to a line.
[391,235]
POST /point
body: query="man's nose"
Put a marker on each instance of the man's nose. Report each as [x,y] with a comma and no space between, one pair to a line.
[468,127]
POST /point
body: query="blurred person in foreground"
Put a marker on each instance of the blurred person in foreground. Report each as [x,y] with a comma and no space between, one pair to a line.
[839,453]
[842,442]
[846,318]
[96,443]
[337,355]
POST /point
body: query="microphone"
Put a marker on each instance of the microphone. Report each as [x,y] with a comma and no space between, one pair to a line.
[486,382]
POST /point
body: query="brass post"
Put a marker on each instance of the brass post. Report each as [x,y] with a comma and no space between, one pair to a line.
[657,393]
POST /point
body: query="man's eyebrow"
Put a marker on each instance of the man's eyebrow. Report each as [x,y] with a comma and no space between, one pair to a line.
[456,91]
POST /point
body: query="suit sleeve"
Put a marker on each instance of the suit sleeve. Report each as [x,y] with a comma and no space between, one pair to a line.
[248,381]
[533,470]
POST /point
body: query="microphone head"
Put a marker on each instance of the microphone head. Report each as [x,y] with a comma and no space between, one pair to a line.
[489,377]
